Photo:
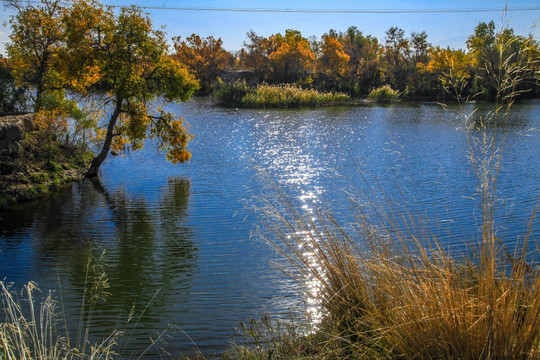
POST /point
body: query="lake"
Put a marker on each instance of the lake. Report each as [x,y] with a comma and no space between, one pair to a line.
[180,243]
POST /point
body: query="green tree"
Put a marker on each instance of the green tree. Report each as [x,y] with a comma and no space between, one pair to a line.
[419,80]
[125,55]
[397,52]
[13,98]
[501,56]
[364,60]
[481,47]
[37,35]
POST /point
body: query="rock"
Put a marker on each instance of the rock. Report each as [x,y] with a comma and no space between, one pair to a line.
[12,130]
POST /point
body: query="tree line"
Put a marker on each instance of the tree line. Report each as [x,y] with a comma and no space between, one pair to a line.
[355,63]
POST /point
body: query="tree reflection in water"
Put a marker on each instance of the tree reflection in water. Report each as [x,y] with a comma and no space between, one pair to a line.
[149,251]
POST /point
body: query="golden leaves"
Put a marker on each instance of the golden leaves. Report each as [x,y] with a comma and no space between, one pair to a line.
[334,60]
[51,121]
[205,58]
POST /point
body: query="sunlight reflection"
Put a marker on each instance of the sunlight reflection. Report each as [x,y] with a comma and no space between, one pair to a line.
[288,158]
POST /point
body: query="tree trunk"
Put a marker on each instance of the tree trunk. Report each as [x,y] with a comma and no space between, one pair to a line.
[98,160]
[40,86]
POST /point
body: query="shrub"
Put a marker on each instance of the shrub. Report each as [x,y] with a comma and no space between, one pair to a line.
[389,287]
[384,94]
[287,95]
[53,166]
[231,94]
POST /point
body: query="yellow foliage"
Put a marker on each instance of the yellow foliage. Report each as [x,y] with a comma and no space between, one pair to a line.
[448,60]
[205,58]
[51,121]
[119,143]
[334,60]
[291,55]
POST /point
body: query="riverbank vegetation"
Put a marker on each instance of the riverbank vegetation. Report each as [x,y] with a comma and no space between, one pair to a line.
[383,94]
[34,326]
[356,64]
[43,161]
[69,50]
[389,288]
[239,94]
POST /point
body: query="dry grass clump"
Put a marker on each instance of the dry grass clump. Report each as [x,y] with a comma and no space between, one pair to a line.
[392,291]
[384,94]
[287,95]
[33,327]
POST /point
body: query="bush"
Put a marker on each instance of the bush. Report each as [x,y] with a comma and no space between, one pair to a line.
[384,94]
[53,166]
[239,94]
[231,94]
[287,95]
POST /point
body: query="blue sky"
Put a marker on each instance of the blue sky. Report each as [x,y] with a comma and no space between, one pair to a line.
[444,29]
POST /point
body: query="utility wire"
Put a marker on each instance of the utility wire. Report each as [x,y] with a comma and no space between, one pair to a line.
[327,11]
[342,11]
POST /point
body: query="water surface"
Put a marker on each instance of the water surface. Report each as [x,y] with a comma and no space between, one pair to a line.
[177,240]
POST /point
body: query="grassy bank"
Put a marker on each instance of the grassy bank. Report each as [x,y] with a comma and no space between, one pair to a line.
[42,165]
[239,94]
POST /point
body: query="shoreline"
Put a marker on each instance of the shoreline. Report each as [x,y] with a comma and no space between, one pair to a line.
[31,167]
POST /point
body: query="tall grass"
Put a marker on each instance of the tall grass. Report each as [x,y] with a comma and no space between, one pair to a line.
[284,95]
[34,327]
[387,287]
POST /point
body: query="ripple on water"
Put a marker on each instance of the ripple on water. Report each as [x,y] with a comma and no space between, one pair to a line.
[177,239]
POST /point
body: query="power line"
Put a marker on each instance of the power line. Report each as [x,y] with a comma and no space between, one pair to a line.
[338,11]
[341,11]
[329,11]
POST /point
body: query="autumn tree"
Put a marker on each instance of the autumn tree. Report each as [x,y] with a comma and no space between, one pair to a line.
[36,43]
[204,57]
[332,62]
[291,56]
[255,57]
[452,69]
[127,57]
[37,35]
